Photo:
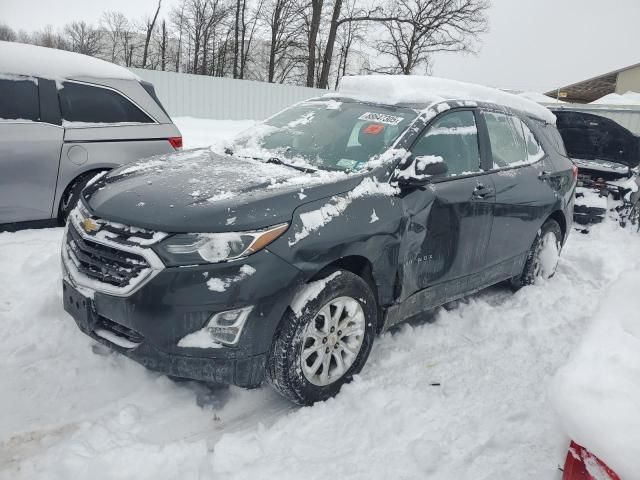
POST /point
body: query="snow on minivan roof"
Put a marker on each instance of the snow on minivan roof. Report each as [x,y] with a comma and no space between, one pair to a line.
[35,61]
[415,89]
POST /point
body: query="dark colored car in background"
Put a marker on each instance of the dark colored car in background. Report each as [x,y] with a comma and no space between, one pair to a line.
[607,155]
[332,221]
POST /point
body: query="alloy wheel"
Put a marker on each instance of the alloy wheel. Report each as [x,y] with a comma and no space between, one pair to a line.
[332,341]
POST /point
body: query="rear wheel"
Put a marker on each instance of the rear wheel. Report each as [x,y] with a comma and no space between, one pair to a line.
[319,349]
[72,195]
[543,256]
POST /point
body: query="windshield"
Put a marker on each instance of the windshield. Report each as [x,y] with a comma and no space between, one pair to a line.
[326,134]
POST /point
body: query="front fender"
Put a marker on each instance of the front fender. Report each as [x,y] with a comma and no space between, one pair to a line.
[364,222]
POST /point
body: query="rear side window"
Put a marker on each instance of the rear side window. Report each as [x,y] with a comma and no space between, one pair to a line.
[19,99]
[512,141]
[89,104]
[152,93]
[554,135]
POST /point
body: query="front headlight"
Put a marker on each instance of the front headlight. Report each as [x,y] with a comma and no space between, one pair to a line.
[197,248]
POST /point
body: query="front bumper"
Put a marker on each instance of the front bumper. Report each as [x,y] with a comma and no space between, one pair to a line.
[176,302]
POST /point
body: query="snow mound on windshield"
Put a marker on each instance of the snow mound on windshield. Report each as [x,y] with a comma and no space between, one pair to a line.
[597,393]
[22,59]
[397,89]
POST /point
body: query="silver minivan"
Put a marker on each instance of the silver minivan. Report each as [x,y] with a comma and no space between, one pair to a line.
[64,118]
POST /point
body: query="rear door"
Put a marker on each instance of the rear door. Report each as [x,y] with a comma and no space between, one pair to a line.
[30,144]
[449,221]
[521,174]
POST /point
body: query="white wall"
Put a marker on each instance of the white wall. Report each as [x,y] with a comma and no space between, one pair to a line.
[184,94]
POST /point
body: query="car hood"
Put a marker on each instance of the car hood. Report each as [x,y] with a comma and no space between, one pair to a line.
[203,191]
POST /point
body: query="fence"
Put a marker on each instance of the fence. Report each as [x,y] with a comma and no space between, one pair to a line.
[184,94]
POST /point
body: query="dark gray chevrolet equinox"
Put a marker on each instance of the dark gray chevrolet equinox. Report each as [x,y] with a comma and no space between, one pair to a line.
[281,257]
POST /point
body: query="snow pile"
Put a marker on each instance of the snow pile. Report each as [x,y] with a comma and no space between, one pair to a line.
[23,59]
[413,89]
[629,98]
[597,393]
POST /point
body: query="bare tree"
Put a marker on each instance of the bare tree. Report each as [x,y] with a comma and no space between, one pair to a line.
[423,27]
[7,33]
[83,38]
[282,19]
[113,25]
[314,27]
[149,26]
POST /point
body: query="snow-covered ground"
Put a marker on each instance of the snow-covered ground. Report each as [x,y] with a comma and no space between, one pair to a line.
[462,394]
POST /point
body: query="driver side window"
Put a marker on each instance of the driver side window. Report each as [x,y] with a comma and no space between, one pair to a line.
[453,138]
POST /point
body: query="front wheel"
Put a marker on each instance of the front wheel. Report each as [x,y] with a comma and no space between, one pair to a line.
[543,256]
[324,339]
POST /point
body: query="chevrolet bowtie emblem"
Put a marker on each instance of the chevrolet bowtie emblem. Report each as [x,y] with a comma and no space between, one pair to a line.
[89,225]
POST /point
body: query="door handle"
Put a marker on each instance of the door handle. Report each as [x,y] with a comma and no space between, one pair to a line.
[481,191]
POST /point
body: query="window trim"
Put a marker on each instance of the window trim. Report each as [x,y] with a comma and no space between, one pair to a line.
[481,143]
[490,151]
[107,124]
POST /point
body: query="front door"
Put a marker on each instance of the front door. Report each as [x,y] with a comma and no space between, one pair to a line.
[449,220]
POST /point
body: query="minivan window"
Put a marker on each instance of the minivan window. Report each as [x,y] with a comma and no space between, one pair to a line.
[90,104]
[327,134]
[454,138]
[19,99]
[512,141]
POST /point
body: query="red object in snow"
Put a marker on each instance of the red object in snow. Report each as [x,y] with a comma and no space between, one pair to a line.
[584,465]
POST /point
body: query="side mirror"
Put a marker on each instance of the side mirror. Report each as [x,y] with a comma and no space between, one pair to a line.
[421,169]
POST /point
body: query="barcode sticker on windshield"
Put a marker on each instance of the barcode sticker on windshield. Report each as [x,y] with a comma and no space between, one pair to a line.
[380,118]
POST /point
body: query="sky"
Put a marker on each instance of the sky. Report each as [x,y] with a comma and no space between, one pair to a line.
[531,45]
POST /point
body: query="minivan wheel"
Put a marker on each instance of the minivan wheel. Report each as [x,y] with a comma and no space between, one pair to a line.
[543,256]
[72,195]
[316,352]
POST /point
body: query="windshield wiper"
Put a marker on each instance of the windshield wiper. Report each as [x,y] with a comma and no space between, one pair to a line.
[278,161]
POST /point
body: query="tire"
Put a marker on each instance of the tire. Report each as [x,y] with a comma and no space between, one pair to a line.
[534,266]
[310,329]
[72,195]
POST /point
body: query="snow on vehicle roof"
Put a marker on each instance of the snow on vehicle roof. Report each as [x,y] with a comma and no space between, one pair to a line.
[414,89]
[32,60]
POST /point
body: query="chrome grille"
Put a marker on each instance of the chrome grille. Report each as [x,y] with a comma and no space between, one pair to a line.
[104,263]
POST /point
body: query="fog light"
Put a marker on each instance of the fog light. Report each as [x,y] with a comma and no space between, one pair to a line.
[222,328]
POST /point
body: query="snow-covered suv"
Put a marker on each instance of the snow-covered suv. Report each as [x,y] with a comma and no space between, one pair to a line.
[334,220]
[64,118]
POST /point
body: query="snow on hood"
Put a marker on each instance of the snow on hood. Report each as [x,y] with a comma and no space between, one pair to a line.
[23,59]
[201,191]
[412,89]
[597,394]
